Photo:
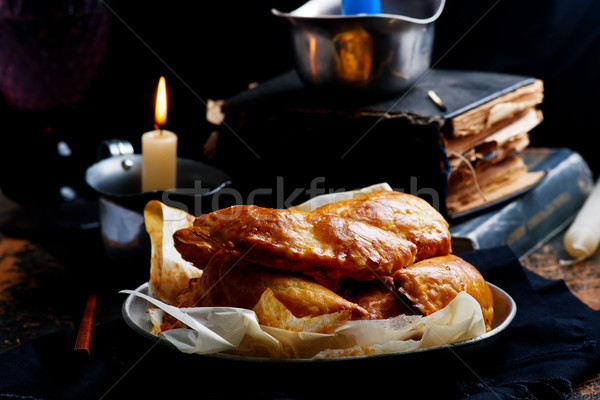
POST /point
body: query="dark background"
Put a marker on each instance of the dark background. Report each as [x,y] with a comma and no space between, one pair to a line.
[212,50]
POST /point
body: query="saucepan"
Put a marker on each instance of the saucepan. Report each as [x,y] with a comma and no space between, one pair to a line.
[117,181]
[381,53]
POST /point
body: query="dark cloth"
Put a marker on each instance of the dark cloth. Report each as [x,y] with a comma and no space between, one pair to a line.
[551,345]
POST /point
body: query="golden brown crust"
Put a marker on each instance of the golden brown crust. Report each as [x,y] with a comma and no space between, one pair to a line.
[380,298]
[230,281]
[324,246]
[400,213]
[433,283]
[194,247]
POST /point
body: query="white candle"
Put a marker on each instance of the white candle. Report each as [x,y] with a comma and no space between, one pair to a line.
[583,236]
[159,160]
[159,149]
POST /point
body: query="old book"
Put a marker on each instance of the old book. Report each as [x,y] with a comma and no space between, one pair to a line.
[491,115]
[515,129]
[535,217]
[481,146]
[495,182]
[472,99]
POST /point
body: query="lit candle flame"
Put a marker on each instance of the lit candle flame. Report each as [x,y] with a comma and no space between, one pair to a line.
[160,114]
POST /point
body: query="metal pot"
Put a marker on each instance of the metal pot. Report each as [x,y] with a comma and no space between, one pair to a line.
[117,181]
[381,53]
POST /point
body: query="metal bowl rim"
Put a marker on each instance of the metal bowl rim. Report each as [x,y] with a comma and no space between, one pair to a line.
[499,328]
[423,21]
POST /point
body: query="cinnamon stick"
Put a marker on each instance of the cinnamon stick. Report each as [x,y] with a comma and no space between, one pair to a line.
[84,336]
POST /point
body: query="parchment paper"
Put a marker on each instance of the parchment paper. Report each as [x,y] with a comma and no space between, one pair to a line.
[236,330]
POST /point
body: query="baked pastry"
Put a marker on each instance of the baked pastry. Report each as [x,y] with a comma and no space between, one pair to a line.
[324,246]
[433,283]
[230,281]
[402,214]
[372,257]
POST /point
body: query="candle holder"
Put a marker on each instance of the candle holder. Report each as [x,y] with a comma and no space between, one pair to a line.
[117,182]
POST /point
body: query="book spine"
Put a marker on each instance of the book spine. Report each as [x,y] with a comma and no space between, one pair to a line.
[532,219]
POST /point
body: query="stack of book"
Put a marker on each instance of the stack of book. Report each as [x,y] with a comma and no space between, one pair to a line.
[481,143]
[461,149]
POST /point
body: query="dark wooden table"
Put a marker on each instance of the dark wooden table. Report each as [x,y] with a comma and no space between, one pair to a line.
[47,276]
[39,293]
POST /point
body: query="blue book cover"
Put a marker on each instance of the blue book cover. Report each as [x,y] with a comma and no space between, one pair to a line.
[535,217]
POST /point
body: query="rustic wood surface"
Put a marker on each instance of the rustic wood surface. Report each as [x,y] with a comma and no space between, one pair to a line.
[583,279]
[31,286]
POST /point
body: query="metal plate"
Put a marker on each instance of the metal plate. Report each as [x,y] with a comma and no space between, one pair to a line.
[135,313]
